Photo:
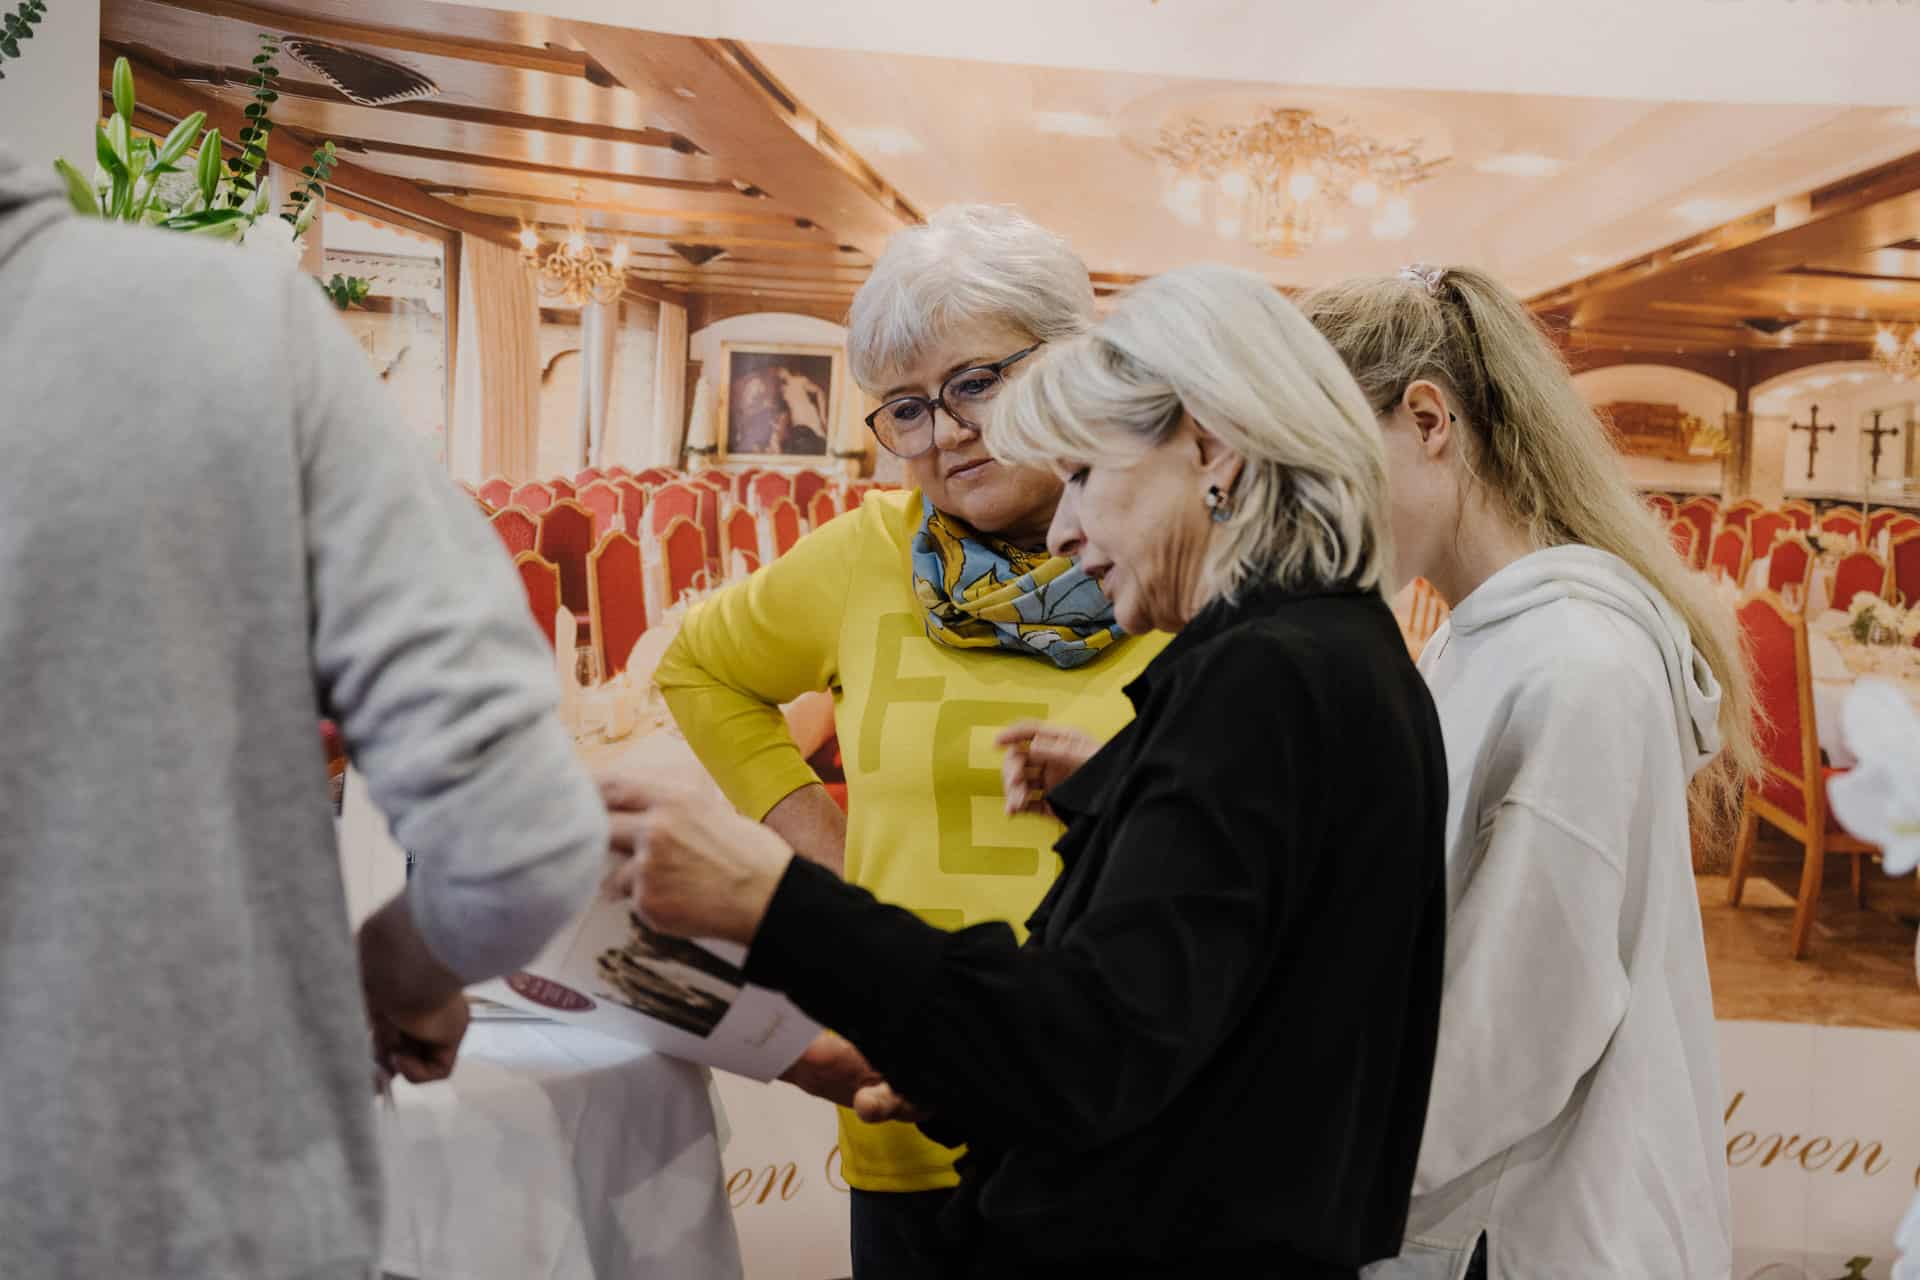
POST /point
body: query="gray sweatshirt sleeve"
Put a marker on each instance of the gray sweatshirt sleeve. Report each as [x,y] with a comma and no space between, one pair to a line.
[426,654]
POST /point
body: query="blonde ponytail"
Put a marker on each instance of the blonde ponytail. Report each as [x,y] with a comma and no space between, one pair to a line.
[1541,451]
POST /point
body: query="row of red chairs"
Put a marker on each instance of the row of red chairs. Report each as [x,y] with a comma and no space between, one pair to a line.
[1762,526]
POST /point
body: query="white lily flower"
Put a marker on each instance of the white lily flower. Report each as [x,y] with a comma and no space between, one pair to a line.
[1879,799]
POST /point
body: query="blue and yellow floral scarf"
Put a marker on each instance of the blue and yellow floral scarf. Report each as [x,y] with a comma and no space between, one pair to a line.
[981,593]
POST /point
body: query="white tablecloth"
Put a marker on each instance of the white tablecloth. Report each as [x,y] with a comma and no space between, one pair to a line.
[554,1152]
[1832,678]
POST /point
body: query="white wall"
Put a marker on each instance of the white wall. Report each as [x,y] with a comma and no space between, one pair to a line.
[50,100]
[1846,395]
[1694,393]
[781,327]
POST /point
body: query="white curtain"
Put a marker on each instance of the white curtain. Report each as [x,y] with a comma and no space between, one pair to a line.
[496,400]
[669,387]
[599,326]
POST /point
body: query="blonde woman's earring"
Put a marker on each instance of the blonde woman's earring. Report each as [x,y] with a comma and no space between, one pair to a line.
[1219,503]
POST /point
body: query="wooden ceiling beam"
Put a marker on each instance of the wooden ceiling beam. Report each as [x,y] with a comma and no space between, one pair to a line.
[375,146]
[550,61]
[469,195]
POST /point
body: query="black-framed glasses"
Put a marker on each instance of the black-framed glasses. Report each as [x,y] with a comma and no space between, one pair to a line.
[904,424]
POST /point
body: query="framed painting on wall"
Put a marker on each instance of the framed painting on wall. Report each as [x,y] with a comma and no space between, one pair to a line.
[777,402]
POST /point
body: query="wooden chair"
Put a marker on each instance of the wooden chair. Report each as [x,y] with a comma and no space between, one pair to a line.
[768,488]
[562,487]
[1901,525]
[1861,572]
[743,484]
[1903,564]
[603,500]
[1698,512]
[1791,793]
[822,508]
[805,485]
[683,548]
[517,528]
[1879,520]
[718,481]
[1843,522]
[653,476]
[1762,530]
[617,599]
[496,493]
[1660,504]
[740,537]
[633,506]
[618,472]
[1799,513]
[677,501]
[566,538]
[784,519]
[1791,567]
[540,578]
[1737,514]
[533,496]
[592,475]
[1682,535]
[1729,556]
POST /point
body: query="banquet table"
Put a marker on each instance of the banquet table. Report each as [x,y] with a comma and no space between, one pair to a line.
[553,1152]
[1837,662]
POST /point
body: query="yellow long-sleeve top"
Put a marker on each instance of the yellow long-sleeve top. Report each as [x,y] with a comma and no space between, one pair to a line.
[927,827]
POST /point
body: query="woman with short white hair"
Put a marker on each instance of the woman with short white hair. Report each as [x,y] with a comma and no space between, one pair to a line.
[1211,1056]
[932,614]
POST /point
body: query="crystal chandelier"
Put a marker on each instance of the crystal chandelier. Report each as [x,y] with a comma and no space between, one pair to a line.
[573,269]
[1285,181]
[1901,359]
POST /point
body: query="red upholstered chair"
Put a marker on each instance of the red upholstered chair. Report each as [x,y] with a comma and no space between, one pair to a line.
[1901,525]
[1860,572]
[684,549]
[541,579]
[534,497]
[592,475]
[562,487]
[822,508]
[1903,561]
[784,519]
[743,484]
[617,590]
[496,492]
[566,538]
[1799,514]
[768,488]
[1661,504]
[1791,792]
[672,502]
[1682,535]
[1739,513]
[1879,520]
[805,485]
[1698,512]
[633,506]
[740,537]
[718,481]
[603,500]
[617,472]
[657,476]
[517,528]
[1842,522]
[1729,557]
[707,516]
[1762,530]
[1791,566]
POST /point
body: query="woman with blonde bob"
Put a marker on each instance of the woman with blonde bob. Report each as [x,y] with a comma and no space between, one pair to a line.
[1211,1056]
[1584,680]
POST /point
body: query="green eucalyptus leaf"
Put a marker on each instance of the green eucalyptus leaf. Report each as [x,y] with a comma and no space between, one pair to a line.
[123,88]
[9,46]
[255,111]
[80,192]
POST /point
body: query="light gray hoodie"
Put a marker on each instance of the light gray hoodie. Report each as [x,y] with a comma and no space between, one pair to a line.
[1576,1108]
[212,534]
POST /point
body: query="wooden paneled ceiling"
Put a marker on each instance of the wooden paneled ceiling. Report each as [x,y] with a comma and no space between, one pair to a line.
[1809,280]
[725,187]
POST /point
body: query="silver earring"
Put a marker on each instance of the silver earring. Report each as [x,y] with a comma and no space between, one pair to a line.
[1219,503]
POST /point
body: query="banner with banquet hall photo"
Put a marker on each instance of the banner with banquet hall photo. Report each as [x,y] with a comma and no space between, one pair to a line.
[603,255]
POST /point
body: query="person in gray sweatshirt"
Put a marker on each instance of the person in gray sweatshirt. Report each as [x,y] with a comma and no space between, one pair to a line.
[213,534]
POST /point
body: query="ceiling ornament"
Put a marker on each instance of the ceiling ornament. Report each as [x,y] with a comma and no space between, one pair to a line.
[1285,181]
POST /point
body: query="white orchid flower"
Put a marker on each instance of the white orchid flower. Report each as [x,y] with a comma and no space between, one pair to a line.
[1878,800]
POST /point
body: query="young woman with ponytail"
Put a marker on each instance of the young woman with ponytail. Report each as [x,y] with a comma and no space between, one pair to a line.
[1595,705]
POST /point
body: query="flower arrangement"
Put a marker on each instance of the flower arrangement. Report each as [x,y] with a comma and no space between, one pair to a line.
[1871,620]
[138,180]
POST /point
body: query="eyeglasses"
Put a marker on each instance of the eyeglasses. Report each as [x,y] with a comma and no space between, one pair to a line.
[904,425]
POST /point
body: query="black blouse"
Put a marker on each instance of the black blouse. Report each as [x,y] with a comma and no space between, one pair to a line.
[1212,1055]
